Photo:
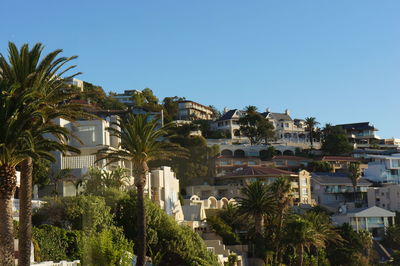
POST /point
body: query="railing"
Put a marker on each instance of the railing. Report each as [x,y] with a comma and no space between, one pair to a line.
[61,263]
[78,162]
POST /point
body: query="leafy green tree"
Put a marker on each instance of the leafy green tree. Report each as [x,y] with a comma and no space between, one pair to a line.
[107,247]
[311,123]
[256,127]
[168,243]
[223,230]
[354,175]
[335,141]
[257,201]
[319,166]
[140,143]
[282,194]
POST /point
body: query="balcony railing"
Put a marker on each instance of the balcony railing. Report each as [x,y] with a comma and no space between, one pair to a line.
[78,162]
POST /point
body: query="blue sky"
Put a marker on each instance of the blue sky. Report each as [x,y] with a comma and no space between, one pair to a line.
[336,60]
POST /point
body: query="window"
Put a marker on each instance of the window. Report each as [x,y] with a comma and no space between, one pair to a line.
[286,124]
[304,191]
[304,181]
[87,132]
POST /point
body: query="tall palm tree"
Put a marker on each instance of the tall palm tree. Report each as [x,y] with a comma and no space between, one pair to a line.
[311,123]
[257,201]
[354,175]
[300,235]
[15,146]
[141,142]
[281,191]
[42,78]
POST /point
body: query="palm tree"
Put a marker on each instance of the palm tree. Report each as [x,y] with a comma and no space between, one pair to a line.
[15,146]
[281,191]
[43,79]
[141,142]
[300,235]
[354,175]
[257,201]
[56,177]
[310,123]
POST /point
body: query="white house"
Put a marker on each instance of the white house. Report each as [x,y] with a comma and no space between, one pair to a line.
[384,168]
[373,219]
[387,197]
[164,191]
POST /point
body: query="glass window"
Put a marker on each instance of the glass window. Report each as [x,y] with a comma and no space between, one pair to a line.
[304,191]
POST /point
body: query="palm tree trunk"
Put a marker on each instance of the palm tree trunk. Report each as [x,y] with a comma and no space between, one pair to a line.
[140,183]
[259,223]
[141,222]
[301,254]
[354,194]
[7,188]
[311,138]
[25,213]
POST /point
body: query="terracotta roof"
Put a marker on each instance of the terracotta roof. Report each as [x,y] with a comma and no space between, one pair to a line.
[258,171]
[340,158]
[288,157]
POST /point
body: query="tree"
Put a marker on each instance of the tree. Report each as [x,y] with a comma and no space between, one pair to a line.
[319,166]
[140,143]
[354,175]
[44,80]
[281,191]
[58,176]
[256,127]
[168,242]
[256,202]
[335,141]
[311,123]
[96,181]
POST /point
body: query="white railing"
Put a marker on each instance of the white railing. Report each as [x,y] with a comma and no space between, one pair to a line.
[78,162]
[35,204]
[61,263]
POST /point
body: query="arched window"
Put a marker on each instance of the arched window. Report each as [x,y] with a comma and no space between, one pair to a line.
[228,153]
[239,154]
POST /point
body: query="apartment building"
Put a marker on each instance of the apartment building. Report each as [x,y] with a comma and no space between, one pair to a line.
[189,110]
[384,168]
[387,197]
[164,191]
[126,97]
[230,185]
[341,164]
[334,189]
[290,163]
[362,135]
[90,137]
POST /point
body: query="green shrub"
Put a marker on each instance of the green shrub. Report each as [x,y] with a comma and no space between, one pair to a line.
[56,243]
[224,230]
[168,242]
[106,248]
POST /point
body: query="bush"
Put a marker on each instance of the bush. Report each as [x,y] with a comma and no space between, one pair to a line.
[224,230]
[106,248]
[56,243]
[168,242]
[75,213]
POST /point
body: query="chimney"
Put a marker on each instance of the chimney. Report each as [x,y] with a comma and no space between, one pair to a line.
[287,112]
[226,110]
[268,110]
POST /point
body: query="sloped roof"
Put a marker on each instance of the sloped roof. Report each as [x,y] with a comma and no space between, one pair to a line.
[278,116]
[371,212]
[288,157]
[337,179]
[340,158]
[258,171]
[228,115]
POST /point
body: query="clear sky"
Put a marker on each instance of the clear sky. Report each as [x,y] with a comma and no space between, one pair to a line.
[336,60]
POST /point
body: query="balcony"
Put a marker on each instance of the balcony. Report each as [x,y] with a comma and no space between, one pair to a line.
[346,189]
[78,162]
